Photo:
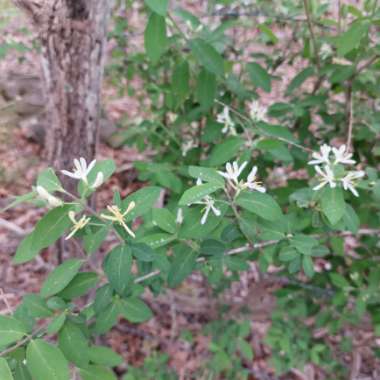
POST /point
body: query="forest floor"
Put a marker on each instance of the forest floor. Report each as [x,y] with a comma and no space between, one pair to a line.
[188,308]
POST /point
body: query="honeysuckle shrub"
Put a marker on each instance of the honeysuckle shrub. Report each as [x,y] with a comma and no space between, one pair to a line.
[281,186]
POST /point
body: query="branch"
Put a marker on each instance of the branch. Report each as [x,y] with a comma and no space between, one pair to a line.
[312,34]
[349,115]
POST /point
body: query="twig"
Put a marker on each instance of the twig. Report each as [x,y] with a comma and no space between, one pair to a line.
[24,340]
[249,247]
[13,227]
[312,34]
[349,115]
[365,65]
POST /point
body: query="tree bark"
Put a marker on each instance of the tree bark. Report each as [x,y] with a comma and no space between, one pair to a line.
[73,39]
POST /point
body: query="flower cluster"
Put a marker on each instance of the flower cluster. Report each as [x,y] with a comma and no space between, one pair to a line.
[257,112]
[332,171]
[233,172]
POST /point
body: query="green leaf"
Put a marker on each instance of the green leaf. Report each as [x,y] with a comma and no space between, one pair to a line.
[21,372]
[117,266]
[155,37]
[143,252]
[47,231]
[207,56]
[332,204]
[308,266]
[223,152]
[107,318]
[96,372]
[157,240]
[193,229]
[268,32]
[277,131]
[351,38]
[259,76]
[134,310]
[93,241]
[299,79]
[104,356]
[182,266]
[164,219]
[73,344]
[60,277]
[103,297]
[246,349]
[205,91]
[11,330]
[79,286]
[46,361]
[180,82]
[339,281]
[158,6]
[260,204]
[351,219]
[56,324]
[5,372]
[144,199]
[303,243]
[196,193]
[288,254]
[212,247]
[49,181]
[36,306]
[206,174]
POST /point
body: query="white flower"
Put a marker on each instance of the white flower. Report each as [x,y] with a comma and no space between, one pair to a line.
[81,170]
[224,118]
[209,202]
[252,184]
[187,146]
[325,51]
[257,112]
[323,157]
[179,218]
[118,217]
[326,177]
[49,198]
[77,224]
[349,181]
[98,180]
[342,156]
[233,172]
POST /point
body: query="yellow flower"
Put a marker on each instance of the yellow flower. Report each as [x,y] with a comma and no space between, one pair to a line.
[77,224]
[118,217]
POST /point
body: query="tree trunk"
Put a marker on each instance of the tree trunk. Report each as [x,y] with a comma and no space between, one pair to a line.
[73,39]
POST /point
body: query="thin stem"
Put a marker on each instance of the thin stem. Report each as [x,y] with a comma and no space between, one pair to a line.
[312,34]
[24,340]
[349,115]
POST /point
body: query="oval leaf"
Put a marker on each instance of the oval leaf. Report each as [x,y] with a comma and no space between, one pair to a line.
[46,361]
[60,277]
[260,204]
[11,330]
